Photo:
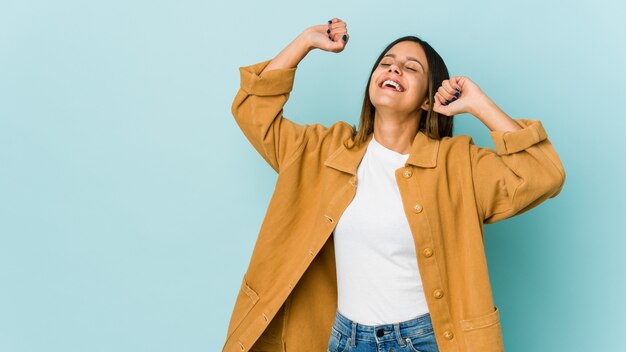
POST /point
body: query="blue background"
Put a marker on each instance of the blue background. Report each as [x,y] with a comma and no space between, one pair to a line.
[130,200]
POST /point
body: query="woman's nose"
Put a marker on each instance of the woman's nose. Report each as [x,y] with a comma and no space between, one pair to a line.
[394,68]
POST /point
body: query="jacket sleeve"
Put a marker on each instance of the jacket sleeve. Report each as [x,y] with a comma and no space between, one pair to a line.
[258,110]
[522,172]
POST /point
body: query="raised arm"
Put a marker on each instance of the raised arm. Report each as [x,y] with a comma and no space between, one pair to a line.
[265,88]
[523,171]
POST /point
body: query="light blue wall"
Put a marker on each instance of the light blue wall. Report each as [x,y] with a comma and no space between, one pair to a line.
[130,200]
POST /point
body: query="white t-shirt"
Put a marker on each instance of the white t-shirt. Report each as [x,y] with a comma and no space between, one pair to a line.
[378,280]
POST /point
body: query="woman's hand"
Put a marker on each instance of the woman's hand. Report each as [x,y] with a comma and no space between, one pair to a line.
[332,36]
[462,95]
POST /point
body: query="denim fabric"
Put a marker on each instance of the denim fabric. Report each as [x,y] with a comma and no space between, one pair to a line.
[415,335]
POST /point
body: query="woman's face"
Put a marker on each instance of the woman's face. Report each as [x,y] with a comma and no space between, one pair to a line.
[406,64]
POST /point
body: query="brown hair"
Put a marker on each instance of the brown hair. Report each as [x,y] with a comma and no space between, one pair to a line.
[433,124]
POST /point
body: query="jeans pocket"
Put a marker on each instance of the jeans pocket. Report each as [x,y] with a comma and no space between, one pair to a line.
[422,343]
[338,342]
[410,346]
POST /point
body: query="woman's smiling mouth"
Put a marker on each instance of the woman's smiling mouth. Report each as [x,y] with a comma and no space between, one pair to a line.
[392,84]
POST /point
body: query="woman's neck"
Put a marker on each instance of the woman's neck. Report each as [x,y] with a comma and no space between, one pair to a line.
[396,132]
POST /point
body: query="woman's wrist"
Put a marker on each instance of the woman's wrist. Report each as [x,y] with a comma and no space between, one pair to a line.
[303,41]
[291,55]
[489,113]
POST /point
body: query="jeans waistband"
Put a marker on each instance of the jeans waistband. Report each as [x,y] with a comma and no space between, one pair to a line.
[417,326]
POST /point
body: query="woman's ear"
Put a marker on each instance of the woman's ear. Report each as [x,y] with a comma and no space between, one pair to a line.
[425,105]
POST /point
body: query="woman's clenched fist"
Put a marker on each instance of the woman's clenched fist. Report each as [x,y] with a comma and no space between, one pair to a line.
[332,36]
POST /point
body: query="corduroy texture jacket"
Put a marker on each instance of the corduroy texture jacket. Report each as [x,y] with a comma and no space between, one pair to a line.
[449,189]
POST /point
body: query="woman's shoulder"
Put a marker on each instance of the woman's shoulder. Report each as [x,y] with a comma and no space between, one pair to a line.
[320,141]
[456,141]
[337,131]
[455,146]
[338,126]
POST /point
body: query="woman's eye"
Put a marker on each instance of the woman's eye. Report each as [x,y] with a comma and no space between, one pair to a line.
[412,69]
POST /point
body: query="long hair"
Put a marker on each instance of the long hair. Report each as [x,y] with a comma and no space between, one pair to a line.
[433,124]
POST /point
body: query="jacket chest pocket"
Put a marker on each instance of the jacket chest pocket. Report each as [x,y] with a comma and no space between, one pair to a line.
[483,333]
[246,299]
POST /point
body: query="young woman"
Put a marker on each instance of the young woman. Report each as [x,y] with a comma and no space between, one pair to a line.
[373,238]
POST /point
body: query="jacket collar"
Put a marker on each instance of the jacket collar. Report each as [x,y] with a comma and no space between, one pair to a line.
[423,153]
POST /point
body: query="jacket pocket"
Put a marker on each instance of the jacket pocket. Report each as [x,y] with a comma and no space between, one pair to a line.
[483,333]
[246,299]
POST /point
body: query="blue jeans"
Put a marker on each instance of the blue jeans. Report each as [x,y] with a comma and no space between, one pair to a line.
[415,335]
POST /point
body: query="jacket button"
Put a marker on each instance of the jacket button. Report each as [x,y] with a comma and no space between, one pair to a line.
[428,252]
[448,335]
[407,173]
[417,208]
[438,293]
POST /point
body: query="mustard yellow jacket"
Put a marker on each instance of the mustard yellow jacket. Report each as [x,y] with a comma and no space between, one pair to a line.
[449,188]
